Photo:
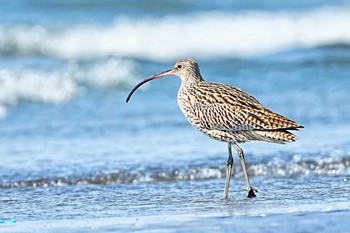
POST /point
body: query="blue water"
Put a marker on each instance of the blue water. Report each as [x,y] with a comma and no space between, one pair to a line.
[76,158]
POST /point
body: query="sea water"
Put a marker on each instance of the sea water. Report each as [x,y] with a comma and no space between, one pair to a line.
[74,157]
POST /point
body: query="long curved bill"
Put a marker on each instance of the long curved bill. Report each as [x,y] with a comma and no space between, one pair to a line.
[162,74]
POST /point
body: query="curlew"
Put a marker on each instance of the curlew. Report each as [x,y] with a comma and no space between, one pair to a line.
[226,113]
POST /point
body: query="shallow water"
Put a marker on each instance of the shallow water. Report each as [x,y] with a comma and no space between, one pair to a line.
[75,157]
[284,203]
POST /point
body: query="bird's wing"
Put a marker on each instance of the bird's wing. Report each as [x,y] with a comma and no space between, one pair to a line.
[224,107]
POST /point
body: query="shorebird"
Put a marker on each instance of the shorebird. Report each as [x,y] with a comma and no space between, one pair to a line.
[226,113]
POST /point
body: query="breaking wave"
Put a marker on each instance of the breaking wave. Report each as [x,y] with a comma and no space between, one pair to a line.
[295,167]
[57,86]
[205,35]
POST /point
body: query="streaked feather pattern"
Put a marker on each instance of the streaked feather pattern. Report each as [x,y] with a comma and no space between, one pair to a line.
[227,113]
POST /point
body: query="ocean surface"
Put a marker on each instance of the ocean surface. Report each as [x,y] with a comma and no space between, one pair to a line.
[74,157]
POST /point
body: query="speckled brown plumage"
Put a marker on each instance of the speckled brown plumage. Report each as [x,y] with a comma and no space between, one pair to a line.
[226,113]
[229,114]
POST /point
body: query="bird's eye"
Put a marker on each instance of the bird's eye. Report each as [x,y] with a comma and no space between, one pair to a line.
[179,66]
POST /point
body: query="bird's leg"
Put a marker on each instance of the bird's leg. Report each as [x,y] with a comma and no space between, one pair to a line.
[250,190]
[228,171]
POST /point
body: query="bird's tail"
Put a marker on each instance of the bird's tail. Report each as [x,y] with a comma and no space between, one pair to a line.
[277,136]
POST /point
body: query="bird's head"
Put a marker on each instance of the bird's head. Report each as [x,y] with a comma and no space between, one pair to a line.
[186,69]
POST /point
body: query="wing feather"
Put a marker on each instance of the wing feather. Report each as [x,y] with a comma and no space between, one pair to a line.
[224,107]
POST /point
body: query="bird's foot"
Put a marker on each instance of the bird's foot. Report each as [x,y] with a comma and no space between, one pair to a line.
[251,193]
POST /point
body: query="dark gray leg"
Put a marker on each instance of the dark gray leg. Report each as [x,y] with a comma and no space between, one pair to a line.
[228,171]
[250,190]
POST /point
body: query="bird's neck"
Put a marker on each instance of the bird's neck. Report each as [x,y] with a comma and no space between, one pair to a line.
[189,82]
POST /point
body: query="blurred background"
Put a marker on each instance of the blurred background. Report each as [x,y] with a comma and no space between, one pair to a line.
[67,66]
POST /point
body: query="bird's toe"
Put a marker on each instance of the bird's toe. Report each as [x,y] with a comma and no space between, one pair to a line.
[251,193]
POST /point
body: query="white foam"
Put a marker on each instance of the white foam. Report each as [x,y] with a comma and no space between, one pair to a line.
[59,86]
[33,86]
[202,34]
[113,72]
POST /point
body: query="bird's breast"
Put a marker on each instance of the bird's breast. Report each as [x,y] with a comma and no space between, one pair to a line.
[187,103]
